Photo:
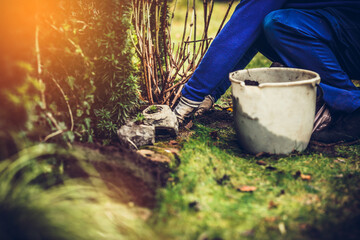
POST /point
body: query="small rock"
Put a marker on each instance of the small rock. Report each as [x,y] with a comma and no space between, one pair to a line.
[162,118]
[137,135]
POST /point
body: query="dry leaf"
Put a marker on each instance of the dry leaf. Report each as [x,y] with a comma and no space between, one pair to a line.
[271,219]
[263,154]
[189,125]
[340,160]
[305,177]
[247,189]
[272,205]
[261,162]
[173,143]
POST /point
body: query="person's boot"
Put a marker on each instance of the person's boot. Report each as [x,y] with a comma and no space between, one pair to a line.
[344,130]
[205,106]
[185,108]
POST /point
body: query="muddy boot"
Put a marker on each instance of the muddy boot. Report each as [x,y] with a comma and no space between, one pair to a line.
[205,106]
[185,108]
[344,130]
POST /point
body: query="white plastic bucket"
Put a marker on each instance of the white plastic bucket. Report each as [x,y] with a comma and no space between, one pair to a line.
[277,116]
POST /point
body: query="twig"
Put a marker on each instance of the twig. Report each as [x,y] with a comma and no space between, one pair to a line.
[67,103]
[132,143]
[200,40]
[225,17]
[39,67]
[54,134]
[167,68]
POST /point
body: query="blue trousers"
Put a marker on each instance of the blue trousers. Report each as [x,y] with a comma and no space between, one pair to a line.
[326,41]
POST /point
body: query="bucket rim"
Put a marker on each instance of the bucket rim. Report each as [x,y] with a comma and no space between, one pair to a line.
[313,81]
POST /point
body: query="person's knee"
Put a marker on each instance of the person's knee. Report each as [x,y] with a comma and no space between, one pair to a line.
[295,22]
[275,24]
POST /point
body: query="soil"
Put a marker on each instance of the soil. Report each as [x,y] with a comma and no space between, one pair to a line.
[130,177]
[251,83]
[218,119]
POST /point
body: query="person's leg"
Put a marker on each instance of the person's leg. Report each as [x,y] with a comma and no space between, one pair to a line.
[225,83]
[305,39]
[261,45]
[229,47]
[226,51]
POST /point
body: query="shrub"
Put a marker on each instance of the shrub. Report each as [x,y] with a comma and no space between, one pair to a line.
[100,73]
[67,66]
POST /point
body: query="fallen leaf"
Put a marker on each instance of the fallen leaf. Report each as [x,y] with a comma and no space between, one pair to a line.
[189,125]
[272,205]
[173,143]
[247,189]
[230,109]
[271,219]
[261,162]
[340,160]
[305,177]
[263,154]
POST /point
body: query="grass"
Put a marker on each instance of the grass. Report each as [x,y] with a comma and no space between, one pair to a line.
[203,201]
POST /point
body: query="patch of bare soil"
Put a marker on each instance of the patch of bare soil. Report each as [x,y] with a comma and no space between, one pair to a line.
[130,177]
[218,119]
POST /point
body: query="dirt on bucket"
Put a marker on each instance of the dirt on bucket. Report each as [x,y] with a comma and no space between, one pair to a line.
[251,83]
